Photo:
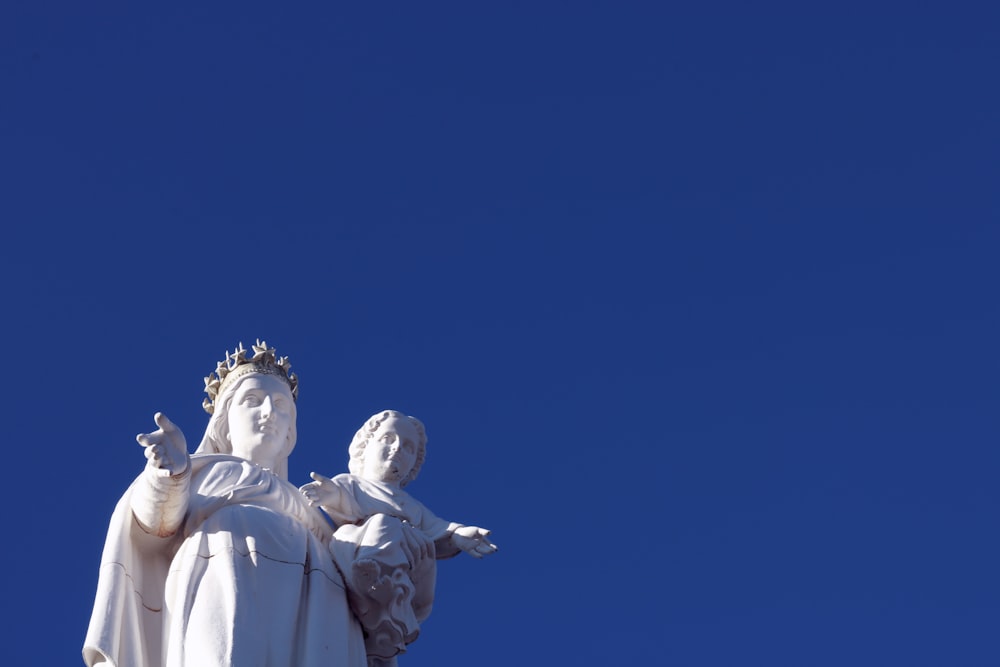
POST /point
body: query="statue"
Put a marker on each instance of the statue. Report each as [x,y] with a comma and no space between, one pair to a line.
[387,541]
[214,558]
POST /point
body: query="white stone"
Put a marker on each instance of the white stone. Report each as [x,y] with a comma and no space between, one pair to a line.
[387,541]
[215,559]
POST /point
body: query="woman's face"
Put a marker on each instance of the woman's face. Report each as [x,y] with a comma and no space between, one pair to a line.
[260,417]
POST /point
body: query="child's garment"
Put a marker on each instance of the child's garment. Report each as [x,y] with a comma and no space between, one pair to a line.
[386,545]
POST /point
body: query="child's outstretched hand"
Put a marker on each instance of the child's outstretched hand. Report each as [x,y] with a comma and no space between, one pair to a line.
[322,491]
[473,541]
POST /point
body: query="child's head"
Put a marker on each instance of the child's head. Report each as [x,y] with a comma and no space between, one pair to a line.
[383,427]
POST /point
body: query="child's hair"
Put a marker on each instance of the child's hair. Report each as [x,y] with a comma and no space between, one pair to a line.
[357,448]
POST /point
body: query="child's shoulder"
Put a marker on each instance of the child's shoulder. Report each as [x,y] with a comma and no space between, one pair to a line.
[345,479]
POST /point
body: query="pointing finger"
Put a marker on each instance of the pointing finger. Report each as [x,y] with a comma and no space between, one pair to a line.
[319,478]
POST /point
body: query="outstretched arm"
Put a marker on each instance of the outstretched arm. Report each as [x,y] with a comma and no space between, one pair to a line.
[160,497]
[473,541]
[322,491]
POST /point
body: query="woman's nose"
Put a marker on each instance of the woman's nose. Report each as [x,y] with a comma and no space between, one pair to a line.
[266,408]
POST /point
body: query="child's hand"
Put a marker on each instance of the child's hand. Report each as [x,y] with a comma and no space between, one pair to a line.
[473,541]
[320,492]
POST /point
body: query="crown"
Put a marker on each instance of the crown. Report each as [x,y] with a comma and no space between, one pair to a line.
[238,363]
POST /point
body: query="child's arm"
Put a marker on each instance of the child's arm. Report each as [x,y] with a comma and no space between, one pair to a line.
[450,537]
[473,540]
[327,494]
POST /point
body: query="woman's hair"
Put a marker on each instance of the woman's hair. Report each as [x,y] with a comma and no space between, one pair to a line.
[357,448]
[216,439]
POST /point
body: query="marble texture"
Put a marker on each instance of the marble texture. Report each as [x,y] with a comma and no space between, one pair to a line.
[214,559]
[387,542]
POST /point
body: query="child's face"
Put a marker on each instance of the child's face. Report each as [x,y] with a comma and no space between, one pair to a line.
[391,451]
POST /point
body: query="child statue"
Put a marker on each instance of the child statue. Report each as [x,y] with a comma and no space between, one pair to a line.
[387,542]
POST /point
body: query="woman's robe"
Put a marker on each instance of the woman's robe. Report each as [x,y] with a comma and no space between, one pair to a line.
[246,581]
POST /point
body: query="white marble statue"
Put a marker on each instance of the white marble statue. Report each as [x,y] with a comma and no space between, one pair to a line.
[387,542]
[214,559]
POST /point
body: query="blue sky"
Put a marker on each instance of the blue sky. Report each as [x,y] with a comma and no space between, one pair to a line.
[698,304]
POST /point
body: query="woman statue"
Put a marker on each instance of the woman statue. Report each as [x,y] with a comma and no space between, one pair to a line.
[215,559]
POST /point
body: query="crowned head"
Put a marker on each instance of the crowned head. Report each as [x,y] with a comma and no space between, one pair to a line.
[251,398]
[261,359]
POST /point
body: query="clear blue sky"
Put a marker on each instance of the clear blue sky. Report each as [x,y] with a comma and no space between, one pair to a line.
[698,302]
